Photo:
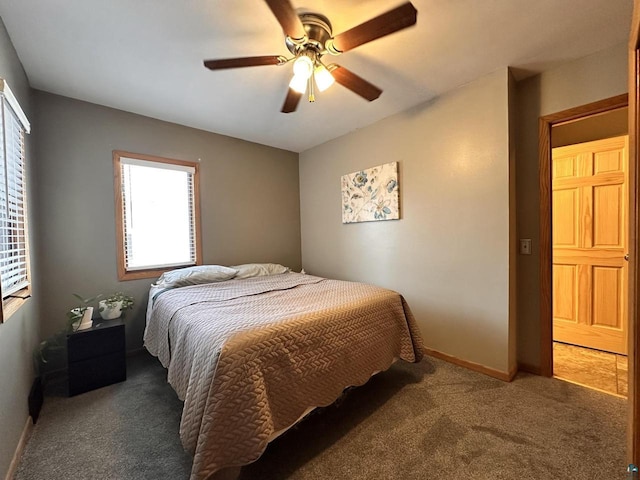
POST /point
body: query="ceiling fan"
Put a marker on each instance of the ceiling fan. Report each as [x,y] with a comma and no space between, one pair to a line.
[309,37]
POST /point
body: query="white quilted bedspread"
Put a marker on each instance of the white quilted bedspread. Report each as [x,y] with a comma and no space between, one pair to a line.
[249,357]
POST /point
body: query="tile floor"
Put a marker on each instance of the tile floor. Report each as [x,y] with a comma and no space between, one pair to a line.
[602,371]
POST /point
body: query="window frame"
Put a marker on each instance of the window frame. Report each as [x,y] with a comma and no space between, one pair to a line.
[123,273]
[13,302]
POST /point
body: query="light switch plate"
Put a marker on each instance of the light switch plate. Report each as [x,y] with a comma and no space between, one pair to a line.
[525,246]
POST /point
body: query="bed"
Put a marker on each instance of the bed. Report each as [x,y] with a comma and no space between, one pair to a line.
[251,356]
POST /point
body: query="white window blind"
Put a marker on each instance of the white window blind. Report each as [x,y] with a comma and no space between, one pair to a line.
[13,240]
[158,205]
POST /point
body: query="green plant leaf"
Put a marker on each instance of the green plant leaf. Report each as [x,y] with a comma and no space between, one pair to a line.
[89,300]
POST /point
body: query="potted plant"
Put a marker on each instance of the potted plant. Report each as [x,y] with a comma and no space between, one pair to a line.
[56,343]
[115,305]
[79,318]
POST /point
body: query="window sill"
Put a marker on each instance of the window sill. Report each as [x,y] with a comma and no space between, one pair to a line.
[12,304]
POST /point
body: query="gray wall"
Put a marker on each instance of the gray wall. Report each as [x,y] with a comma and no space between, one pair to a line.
[19,334]
[449,253]
[592,78]
[249,200]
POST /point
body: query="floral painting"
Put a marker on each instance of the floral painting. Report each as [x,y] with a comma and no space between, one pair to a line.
[371,194]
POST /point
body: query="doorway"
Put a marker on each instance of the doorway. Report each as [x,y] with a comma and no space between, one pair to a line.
[589,203]
[546,124]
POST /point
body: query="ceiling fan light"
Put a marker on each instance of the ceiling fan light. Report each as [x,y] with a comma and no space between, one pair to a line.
[303,66]
[323,77]
[298,83]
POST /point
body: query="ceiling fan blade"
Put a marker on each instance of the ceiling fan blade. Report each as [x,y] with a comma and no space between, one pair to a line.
[244,62]
[291,102]
[356,84]
[400,17]
[287,17]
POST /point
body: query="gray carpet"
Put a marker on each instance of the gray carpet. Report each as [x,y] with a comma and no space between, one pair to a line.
[427,421]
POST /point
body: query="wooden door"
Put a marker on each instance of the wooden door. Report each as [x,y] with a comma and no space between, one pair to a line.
[589,238]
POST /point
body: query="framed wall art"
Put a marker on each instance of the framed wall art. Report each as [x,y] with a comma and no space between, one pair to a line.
[371,195]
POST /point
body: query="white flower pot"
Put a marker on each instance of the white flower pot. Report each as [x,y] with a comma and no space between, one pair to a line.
[86,322]
[110,313]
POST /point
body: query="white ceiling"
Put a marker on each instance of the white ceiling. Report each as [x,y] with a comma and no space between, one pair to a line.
[145,56]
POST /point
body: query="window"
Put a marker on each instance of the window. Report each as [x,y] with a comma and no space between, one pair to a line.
[157,214]
[14,250]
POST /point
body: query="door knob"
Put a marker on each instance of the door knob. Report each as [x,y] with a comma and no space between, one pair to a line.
[626,257]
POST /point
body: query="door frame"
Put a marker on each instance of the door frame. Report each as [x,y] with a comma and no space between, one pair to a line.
[545,124]
[633,417]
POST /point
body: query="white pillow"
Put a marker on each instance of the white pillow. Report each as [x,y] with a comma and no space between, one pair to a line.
[196,275]
[249,270]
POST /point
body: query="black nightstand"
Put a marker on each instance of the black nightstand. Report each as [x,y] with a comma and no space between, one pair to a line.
[96,356]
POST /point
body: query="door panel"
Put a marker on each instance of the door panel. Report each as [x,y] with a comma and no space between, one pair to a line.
[565,217]
[608,225]
[589,235]
[607,293]
[564,282]
[564,166]
[609,161]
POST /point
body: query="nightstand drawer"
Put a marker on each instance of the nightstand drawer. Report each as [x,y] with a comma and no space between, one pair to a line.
[95,342]
[96,356]
[97,372]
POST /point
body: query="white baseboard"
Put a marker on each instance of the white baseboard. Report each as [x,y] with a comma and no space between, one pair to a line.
[24,438]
